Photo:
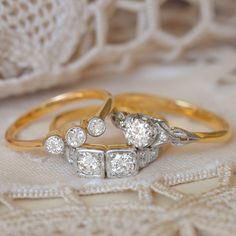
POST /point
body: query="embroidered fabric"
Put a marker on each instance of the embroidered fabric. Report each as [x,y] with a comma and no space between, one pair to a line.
[46,43]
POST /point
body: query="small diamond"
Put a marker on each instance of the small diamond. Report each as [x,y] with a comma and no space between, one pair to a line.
[54,144]
[75,137]
[121,163]
[139,131]
[147,156]
[96,126]
[89,163]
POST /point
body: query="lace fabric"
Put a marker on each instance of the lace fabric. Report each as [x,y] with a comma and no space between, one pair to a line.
[25,176]
[211,213]
[93,40]
[47,43]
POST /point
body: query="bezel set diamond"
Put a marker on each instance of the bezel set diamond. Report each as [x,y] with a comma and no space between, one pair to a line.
[121,163]
[114,163]
[74,136]
[96,127]
[54,144]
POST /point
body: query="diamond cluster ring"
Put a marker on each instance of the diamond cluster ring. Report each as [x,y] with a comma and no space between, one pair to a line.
[145,131]
[138,116]
[99,160]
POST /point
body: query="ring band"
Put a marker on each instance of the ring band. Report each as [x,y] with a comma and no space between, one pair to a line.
[51,105]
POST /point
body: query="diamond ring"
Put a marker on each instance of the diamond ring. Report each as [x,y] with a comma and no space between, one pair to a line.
[74,135]
[99,160]
[137,115]
[145,135]
[143,130]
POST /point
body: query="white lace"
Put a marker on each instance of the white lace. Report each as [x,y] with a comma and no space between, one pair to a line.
[47,43]
[213,212]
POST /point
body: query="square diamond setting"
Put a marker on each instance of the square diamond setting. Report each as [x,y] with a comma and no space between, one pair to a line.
[121,163]
[88,163]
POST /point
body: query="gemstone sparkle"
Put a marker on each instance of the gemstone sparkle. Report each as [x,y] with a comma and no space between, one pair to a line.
[96,126]
[75,137]
[54,145]
[121,163]
[139,132]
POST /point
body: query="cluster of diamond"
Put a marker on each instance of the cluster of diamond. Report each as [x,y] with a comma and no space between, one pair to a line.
[143,133]
[74,137]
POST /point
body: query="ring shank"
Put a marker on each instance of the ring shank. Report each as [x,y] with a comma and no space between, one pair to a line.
[51,105]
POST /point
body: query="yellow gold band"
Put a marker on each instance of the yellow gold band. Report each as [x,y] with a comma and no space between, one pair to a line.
[51,105]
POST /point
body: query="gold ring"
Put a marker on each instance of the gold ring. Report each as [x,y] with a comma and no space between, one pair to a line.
[136,114]
[179,136]
[54,137]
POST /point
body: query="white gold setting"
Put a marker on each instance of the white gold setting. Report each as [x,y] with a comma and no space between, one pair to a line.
[54,144]
[147,156]
[121,163]
[144,131]
[88,163]
[140,131]
[96,126]
[75,137]
[114,163]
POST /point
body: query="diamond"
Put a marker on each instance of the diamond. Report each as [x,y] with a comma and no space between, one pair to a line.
[121,163]
[75,137]
[54,145]
[139,131]
[89,163]
[147,156]
[96,127]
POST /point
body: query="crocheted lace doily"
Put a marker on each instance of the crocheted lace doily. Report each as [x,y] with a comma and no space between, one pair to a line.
[45,43]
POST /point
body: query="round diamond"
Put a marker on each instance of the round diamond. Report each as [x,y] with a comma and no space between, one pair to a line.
[139,132]
[88,164]
[96,127]
[54,145]
[75,137]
